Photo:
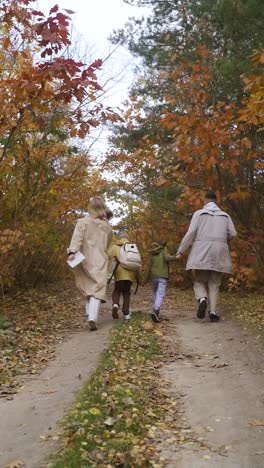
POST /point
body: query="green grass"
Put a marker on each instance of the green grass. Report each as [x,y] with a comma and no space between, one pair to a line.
[121,393]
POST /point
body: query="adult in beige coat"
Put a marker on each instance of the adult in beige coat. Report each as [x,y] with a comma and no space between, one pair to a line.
[92,237]
[208,233]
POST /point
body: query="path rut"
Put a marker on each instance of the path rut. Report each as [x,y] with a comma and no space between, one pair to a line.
[28,430]
[220,375]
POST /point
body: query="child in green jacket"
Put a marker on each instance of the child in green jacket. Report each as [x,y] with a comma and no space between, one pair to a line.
[158,272]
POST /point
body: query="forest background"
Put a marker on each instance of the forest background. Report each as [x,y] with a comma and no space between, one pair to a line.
[193,121]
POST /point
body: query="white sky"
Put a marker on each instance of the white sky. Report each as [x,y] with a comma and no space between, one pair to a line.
[95,20]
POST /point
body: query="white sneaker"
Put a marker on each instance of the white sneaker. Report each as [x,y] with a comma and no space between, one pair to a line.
[127,317]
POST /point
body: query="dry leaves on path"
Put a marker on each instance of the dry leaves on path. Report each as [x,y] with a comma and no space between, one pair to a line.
[39,320]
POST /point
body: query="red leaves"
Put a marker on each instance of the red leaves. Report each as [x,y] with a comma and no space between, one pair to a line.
[54,9]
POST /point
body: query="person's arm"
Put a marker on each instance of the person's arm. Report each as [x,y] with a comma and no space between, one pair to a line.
[112,251]
[231,231]
[146,275]
[76,241]
[189,236]
[168,257]
[109,238]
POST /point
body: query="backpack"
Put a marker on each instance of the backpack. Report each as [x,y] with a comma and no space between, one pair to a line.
[129,257]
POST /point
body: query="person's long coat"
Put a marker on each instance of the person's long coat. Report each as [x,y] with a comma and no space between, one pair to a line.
[209,233]
[92,237]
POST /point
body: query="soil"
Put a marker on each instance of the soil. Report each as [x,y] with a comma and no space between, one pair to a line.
[218,375]
[215,372]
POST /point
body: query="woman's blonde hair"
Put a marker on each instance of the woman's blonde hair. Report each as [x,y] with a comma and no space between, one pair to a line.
[98,209]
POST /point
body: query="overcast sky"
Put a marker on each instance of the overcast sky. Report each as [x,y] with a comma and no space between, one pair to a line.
[95,20]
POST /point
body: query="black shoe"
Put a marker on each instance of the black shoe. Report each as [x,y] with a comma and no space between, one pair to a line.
[115,312]
[155,316]
[202,309]
[214,317]
[92,325]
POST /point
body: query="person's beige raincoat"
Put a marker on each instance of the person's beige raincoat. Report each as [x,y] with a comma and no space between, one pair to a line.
[92,237]
[209,233]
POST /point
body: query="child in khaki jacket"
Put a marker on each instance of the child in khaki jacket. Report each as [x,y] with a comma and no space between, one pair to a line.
[123,280]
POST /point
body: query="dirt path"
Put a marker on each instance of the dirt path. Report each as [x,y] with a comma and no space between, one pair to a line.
[218,377]
[28,429]
[215,371]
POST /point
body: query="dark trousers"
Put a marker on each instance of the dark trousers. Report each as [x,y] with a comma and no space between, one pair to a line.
[122,288]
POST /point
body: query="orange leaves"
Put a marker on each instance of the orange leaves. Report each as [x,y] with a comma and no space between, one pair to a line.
[44,180]
[252,113]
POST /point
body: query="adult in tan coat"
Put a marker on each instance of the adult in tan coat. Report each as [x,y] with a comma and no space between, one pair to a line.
[209,233]
[92,237]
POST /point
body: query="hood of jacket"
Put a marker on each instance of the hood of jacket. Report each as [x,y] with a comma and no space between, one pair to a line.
[211,206]
[156,248]
[122,241]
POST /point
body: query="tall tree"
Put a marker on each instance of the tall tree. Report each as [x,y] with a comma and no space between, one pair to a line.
[48,102]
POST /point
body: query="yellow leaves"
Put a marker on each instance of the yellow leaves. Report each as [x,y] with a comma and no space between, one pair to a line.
[95,411]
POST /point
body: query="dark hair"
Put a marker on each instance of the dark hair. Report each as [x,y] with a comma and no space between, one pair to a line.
[211,196]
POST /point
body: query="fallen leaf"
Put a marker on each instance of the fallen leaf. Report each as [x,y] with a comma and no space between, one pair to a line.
[148,325]
[257,422]
[95,411]
[128,401]
[109,421]
[220,365]
[15,464]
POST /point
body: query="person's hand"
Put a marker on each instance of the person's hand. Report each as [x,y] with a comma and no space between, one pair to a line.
[71,257]
[178,256]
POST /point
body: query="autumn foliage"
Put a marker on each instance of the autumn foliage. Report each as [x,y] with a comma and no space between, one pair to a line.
[195,145]
[48,103]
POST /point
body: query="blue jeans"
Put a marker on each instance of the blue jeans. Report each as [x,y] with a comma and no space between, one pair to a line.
[159,290]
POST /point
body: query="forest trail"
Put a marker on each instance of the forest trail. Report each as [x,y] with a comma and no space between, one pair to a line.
[28,430]
[217,375]
[214,371]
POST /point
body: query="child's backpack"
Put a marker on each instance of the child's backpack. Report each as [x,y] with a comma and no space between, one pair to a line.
[129,257]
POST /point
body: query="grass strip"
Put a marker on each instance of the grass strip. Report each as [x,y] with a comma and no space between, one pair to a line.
[116,411]
[248,309]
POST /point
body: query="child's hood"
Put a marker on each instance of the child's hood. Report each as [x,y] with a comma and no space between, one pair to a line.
[121,241]
[156,248]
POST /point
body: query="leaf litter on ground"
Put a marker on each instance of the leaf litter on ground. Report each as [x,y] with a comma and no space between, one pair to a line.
[135,413]
[37,323]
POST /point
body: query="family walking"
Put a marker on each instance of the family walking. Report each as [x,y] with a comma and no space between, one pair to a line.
[208,235]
